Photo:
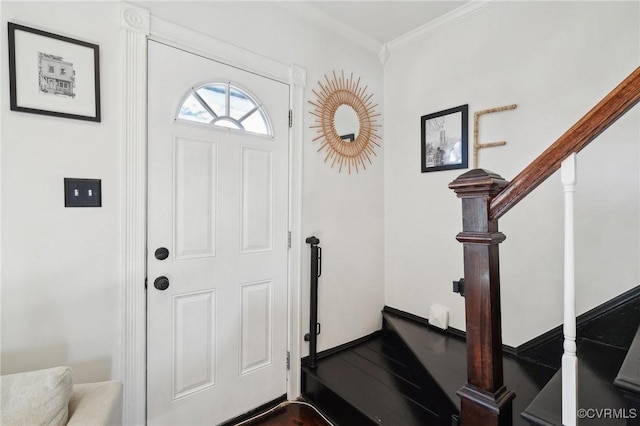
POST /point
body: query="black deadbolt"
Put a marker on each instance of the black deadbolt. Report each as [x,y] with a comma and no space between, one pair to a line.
[161,283]
[161,253]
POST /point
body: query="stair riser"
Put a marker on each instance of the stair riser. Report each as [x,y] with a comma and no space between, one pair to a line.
[445,408]
[340,412]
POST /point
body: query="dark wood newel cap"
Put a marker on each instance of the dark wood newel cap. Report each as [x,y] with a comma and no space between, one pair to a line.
[479,182]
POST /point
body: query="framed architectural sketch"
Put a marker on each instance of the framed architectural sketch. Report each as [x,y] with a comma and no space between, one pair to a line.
[53,75]
[445,139]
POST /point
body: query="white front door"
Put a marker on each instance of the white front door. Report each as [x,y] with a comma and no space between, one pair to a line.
[218,203]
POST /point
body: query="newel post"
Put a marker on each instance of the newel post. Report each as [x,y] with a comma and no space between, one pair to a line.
[485,401]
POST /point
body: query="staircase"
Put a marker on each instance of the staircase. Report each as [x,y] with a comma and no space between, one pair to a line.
[408,373]
[411,374]
[486,197]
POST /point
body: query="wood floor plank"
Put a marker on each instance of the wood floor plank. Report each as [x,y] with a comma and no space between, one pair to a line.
[402,371]
[395,383]
[292,414]
[381,402]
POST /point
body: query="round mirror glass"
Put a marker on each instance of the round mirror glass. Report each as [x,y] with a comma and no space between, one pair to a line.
[346,123]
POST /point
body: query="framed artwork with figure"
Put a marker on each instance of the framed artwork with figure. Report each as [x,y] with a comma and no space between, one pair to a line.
[444,136]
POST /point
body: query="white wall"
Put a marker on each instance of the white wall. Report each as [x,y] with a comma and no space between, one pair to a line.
[61,292]
[61,267]
[555,60]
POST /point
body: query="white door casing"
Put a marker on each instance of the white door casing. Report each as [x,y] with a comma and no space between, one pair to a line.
[137,27]
[218,201]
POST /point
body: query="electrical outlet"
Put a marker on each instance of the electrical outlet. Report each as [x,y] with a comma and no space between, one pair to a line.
[82,192]
[439,316]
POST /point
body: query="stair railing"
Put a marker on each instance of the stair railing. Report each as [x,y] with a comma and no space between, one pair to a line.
[314,325]
[486,197]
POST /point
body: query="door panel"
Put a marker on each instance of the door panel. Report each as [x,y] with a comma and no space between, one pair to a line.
[256,337]
[218,201]
[194,359]
[257,200]
[195,167]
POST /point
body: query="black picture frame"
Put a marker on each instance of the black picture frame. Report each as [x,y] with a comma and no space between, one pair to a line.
[349,137]
[53,75]
[444,136]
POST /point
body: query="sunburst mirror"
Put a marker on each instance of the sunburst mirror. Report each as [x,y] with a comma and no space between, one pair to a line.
[346,122]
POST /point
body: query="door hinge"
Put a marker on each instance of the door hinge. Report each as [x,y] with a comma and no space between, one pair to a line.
[290,118]
[289,239]
[145,283]
[288,360]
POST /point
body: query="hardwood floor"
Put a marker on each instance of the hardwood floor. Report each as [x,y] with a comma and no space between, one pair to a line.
[376,382]
[292,414]
[408,373]
[383,379]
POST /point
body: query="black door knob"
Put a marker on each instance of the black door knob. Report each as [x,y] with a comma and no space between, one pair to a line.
[161,253]
[161,283]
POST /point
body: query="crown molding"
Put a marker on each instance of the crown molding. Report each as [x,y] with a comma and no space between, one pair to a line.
[384,54]
[460,14]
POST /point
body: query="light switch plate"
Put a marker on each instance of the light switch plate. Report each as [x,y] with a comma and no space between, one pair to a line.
[82,192]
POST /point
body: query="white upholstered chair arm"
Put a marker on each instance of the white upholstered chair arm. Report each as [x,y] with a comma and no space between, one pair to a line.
[96,404]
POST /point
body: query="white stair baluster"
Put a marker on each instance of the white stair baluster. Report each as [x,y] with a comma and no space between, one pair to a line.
[569,357]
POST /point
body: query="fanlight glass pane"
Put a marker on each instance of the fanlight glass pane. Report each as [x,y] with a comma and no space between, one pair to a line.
[193,110]
[223,105]
[256,123]
[214,95]
[240,104]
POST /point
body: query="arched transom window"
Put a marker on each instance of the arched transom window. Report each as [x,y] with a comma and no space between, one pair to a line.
[225,105]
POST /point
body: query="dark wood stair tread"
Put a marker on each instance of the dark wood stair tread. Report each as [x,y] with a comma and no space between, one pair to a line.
[597,368]
[378,386]
[444,357]
[375,399]
[628,378]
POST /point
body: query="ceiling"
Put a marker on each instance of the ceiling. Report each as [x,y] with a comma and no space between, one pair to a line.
[373,24]
[386,20]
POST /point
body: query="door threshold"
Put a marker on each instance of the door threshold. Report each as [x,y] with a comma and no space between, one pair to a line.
[256,411]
